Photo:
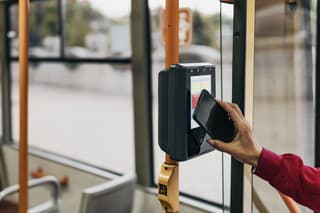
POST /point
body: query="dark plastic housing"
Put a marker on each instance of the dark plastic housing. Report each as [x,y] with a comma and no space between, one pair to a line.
[176,138]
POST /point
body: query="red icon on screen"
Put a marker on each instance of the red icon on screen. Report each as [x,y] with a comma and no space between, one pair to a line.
[195,99]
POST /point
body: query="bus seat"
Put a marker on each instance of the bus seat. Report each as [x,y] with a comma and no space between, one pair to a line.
[51,206]
[115,196]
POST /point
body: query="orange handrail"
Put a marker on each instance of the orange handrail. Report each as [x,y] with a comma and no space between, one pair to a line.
[23,84]
[171,32]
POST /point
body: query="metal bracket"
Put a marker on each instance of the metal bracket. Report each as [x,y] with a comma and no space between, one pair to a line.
[168,188]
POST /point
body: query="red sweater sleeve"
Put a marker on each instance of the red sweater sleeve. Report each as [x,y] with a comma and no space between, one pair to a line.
[289,175]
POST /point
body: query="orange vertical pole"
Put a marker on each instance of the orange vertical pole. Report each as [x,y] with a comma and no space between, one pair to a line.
[23,88]
[171,32]
[172,41]
[168,187]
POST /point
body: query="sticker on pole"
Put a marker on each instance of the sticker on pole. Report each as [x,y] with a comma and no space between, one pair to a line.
[163,190]
[185,26]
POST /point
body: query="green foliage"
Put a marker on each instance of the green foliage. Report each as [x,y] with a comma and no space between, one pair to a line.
[206,29]
[44,21]
[79,16]
[200,30]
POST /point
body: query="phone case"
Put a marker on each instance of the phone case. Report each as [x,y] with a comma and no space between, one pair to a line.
[194,115]
[222,124]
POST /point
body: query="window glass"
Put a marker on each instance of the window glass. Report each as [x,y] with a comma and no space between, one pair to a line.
[226,76]
[81,111]
[44,37]
[284,85]
[97,28]
[202,176]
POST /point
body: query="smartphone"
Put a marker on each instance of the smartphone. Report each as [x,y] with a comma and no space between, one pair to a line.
[213,118]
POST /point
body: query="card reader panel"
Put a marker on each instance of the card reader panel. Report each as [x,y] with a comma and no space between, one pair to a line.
[179,90]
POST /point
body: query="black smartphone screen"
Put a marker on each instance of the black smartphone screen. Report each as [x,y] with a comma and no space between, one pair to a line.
[213,118]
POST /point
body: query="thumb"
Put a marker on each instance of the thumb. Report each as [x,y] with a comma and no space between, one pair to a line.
[221,146]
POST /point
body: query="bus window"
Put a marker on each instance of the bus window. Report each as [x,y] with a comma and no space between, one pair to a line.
[81,110]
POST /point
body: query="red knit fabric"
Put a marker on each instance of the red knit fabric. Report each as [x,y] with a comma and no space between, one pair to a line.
[289,175]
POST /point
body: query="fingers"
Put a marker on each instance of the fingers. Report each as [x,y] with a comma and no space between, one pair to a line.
[234,106]
[237,109]
[235,116]
[221,146]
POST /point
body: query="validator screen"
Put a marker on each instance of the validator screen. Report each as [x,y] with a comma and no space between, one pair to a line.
[197,84]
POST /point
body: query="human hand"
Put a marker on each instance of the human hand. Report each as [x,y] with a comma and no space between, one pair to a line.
[243,147]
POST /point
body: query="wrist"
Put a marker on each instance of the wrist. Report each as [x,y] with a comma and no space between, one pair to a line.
[256,156]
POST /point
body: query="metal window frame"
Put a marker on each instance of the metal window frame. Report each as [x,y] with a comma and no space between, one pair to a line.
[61,17]
[5,93]
[68,161]
[6,79]
[242,94]
[78,60]
[238,87]
[142,91]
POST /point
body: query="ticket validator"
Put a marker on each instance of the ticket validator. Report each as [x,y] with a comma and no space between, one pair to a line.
[179,89]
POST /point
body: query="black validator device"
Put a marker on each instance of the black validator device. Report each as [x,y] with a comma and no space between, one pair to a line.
[213,118]
[180,86]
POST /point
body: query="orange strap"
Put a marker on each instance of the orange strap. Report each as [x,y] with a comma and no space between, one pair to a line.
[290,203]
[23,76]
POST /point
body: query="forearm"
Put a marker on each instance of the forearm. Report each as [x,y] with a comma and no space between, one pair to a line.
[288,174]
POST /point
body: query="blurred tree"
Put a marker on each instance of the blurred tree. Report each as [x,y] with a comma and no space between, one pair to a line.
[50,19]
[213,28]
[200,31]
[79,16]
[44,21]
[206,29]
